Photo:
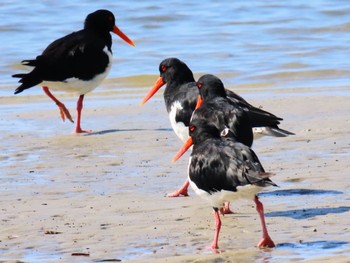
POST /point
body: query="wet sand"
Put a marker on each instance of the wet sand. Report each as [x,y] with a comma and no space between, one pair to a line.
[102,195]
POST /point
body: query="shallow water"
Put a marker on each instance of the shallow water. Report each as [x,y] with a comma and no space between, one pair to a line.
[260,44]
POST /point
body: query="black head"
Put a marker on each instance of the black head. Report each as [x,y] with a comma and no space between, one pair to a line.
[201,130]
[100,21]
[173,69]
[210,87]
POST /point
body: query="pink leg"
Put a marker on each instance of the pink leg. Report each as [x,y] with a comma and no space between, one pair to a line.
[78,128]
[215,244]
[63,110]
[266,240]
[182,191]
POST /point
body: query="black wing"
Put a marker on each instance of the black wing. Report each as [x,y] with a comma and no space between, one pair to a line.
[259,117]
[225,165]
[78,55]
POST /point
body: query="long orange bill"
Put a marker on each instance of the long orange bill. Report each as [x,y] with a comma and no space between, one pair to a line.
[157,85]
[199,102]
[184,149]
[117,31]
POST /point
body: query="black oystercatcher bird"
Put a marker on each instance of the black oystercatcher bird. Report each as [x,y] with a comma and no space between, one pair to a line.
[224,112]
[222,169]
[77,62]
[180,98]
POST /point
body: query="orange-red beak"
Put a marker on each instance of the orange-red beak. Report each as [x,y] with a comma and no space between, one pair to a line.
[157,85]
[199,102]
[117,31]
[183,149]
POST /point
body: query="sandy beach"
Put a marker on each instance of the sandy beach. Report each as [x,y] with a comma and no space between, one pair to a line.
[100,197]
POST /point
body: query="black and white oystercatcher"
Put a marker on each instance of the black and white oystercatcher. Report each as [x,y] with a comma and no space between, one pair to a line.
[180,98]
[77,62]
[222,169]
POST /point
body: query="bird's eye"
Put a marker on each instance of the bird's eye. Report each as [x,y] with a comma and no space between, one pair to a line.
[163,68]
[192,128]
[110,18]
[199,85]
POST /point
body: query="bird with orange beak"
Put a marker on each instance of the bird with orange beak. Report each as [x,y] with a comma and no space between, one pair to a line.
[180,98]
[222,170]
[76,63]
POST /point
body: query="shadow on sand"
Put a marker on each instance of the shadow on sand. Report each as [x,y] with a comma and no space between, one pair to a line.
[293,192]
[308,212]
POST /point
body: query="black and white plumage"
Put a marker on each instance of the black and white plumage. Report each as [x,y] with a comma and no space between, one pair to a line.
[222,169]
[77,62]
[180,95]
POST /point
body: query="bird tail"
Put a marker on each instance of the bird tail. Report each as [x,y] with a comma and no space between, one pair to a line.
[28,80]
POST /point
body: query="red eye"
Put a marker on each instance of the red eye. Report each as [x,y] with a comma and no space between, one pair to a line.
[199,85]
[192,128]
[163,68]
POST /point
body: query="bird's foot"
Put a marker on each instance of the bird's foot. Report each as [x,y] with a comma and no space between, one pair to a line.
[266,242]
[64,112]
[80,130]
[213,248]
[178,193]
[182,191]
